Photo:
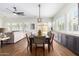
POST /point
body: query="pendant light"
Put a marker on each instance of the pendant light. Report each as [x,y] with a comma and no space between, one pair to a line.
[39,19]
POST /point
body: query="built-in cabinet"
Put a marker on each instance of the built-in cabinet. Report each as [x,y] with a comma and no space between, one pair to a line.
[69,41]
[63,40]
[76,44]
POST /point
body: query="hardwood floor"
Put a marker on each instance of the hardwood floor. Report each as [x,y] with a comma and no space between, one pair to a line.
[20,49]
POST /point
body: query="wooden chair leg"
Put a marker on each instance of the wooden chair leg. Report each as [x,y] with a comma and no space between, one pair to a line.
[52,46]
[35,49]
[27,47]
[43,49]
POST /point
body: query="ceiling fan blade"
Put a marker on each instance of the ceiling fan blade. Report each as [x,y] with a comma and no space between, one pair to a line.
[19,13]
[9,10]
[14,8]
[16,12]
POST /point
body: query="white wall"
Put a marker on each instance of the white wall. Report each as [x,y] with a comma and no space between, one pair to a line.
[1,22]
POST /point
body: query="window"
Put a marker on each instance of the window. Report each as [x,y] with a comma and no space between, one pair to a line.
[67,21]
[16,26]
[73,18]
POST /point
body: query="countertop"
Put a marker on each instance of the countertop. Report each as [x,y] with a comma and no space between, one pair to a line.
[73,33]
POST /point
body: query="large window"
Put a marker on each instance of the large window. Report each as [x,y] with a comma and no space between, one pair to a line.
[73,18]
[59,23]
[67,21]
[16,26]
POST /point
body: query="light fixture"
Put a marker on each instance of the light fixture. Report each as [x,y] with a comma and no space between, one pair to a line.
[39,19]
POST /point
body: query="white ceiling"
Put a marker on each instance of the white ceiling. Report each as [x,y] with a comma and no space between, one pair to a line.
[31,9]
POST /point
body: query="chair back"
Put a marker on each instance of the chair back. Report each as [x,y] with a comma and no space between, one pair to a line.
[39,39]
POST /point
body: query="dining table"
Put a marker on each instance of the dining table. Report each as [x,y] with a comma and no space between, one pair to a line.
[39,40]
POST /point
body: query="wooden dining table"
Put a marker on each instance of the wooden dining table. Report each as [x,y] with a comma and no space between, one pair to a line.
[39,40]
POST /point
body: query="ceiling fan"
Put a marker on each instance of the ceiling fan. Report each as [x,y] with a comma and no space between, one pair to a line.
[16,12]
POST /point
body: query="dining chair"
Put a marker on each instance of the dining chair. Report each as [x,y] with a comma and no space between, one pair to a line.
[28,41]
[51,40]
[39,42]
